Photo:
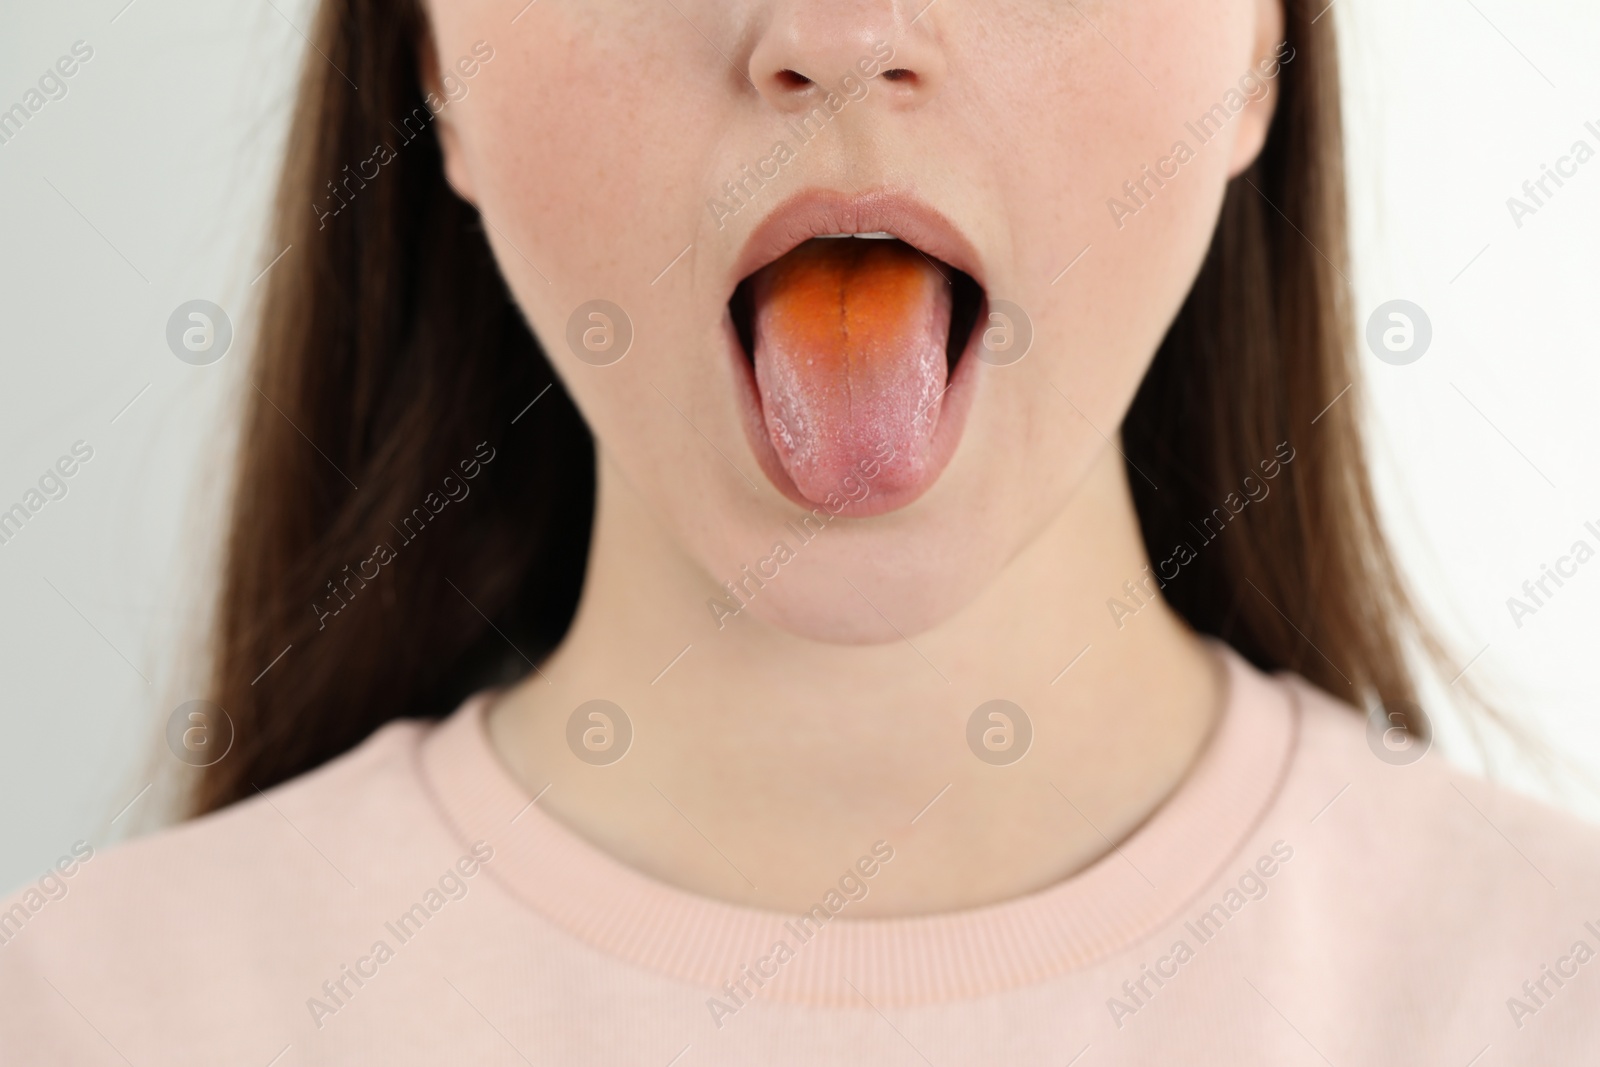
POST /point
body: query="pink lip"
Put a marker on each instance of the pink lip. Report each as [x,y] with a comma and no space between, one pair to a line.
[818,212]
[815,213]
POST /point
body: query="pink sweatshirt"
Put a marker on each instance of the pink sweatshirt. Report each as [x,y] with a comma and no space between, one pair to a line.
[1297,901]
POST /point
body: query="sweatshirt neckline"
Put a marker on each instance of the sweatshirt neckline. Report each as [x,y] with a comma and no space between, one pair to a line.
[1137,888]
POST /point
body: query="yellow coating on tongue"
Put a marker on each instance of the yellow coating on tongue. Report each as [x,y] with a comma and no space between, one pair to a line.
[847,300]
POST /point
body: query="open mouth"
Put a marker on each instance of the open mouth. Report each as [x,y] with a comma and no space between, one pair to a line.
[856,345]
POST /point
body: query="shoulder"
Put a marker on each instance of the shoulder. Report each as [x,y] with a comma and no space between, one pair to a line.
[1409,796]
[1419,884]
[256,850]
[143,935]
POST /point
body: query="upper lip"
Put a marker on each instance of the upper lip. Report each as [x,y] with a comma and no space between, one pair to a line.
[820,212]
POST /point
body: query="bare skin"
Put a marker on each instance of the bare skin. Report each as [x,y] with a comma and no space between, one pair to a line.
[763,764]
[831,711]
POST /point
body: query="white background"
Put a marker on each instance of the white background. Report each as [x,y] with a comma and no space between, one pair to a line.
[146,187]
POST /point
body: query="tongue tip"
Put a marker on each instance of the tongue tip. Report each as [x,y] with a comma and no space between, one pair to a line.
[853,474]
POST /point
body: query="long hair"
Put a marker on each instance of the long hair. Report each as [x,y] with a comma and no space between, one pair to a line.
[392,357]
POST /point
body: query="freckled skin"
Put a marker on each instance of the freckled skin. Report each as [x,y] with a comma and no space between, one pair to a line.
[850,353]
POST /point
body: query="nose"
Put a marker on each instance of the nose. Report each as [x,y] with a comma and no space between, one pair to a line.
[810,48]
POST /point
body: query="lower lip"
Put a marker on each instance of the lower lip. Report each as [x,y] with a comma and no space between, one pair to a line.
[953,410]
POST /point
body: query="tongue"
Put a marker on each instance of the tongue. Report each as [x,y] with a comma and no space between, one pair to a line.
[849,347]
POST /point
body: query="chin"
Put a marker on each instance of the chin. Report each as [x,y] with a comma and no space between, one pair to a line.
[892,576]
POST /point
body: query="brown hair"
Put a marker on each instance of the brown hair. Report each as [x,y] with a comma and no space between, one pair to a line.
[390,348]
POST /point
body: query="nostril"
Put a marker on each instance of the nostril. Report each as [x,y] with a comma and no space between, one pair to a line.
[789,79]
[900,74]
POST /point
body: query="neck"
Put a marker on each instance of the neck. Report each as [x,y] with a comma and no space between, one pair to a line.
[764,764]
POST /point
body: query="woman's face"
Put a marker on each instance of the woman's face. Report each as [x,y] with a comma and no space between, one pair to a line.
[1051,169]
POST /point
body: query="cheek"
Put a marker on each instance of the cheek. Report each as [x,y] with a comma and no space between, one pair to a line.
[593,140]
[1075,111]
[580,137]
[573,135]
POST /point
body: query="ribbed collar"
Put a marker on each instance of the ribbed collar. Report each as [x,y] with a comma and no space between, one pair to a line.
[1131,892]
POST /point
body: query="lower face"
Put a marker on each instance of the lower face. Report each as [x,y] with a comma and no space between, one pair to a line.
[832,231]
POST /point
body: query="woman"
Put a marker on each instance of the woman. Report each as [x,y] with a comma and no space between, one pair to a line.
[814,532]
